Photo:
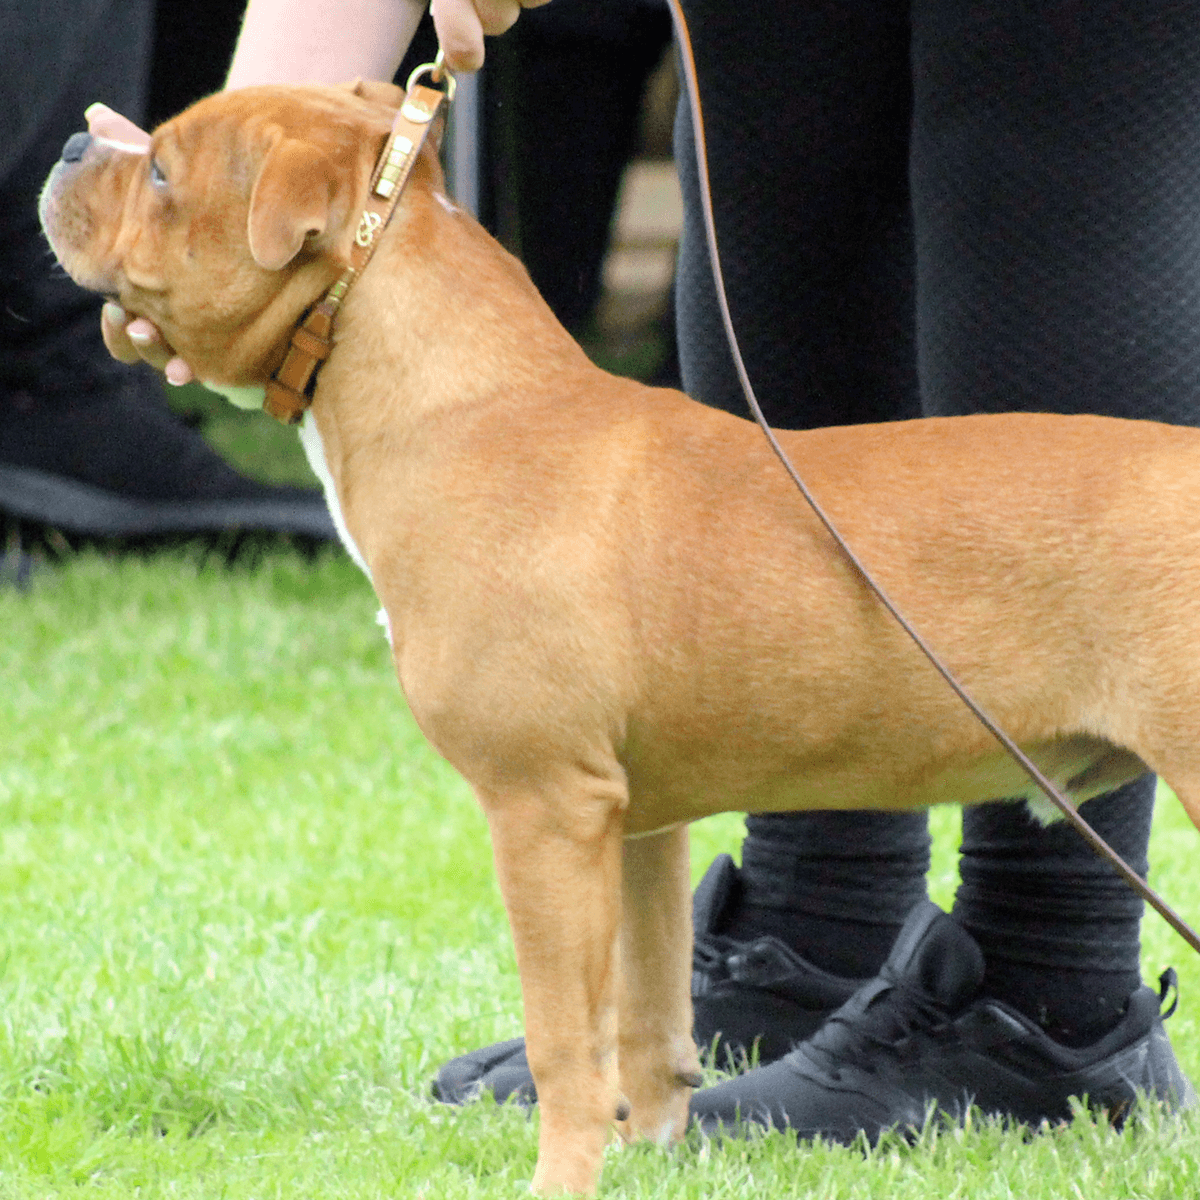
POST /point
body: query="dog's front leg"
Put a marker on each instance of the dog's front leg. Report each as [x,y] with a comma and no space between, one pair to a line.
[659,1064]
[558,860]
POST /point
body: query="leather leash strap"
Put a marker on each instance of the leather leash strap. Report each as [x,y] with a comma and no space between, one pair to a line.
[289,393]
[1068,810]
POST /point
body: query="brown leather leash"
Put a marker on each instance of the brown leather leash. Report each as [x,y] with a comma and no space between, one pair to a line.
[1064,806]
[289,393]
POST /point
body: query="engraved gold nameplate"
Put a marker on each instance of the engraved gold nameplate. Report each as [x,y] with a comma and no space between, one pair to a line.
[393,166]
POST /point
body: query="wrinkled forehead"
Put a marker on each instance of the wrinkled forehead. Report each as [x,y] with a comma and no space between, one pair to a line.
[331,116]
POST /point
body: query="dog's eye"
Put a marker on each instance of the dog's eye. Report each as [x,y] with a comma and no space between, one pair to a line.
[156,174]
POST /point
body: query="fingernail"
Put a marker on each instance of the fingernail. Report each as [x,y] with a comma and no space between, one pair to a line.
[177,373]
[140,330]
[114,314]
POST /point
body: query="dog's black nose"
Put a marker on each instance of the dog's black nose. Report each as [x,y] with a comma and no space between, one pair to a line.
[77,143]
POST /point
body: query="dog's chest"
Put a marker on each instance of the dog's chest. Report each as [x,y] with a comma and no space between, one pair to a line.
[314,451]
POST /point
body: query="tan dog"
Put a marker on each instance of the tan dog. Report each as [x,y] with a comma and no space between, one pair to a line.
[610,610]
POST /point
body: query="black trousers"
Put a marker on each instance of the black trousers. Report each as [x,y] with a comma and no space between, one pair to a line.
[935,207]
[58,57]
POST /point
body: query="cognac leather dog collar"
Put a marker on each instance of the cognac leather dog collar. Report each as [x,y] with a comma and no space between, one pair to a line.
[289,393]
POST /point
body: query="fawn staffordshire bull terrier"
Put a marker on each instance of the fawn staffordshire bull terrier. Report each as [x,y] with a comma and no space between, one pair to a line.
[608,607]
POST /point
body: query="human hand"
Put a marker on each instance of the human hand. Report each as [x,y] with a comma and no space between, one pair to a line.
[461,25]
[132,340]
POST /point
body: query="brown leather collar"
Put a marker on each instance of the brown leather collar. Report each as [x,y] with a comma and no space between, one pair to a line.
[289,393]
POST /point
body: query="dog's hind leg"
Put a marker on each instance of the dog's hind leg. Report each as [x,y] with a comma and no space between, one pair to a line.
[659,1065]
[558,860]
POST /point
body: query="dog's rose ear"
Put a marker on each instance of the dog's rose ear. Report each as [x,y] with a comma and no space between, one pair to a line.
[292,200]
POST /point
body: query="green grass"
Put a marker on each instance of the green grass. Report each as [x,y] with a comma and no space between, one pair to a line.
[257,446]
[245,912]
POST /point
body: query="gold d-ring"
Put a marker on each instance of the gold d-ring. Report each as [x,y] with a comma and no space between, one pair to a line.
[437,71]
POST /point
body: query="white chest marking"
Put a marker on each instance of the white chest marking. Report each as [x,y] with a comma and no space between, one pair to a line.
[249,398]
[314,451]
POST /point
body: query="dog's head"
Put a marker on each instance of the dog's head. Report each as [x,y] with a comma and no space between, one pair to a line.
[230,222]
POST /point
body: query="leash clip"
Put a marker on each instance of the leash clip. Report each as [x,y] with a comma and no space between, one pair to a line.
[438,72]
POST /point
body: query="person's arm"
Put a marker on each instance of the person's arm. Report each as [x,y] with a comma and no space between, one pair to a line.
[322,41]
[331,41]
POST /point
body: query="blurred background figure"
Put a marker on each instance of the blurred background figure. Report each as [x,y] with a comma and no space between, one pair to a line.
[89,449]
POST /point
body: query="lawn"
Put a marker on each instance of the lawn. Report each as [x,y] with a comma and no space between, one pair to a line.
[245,912]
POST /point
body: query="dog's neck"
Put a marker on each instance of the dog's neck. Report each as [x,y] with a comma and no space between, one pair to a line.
[446,315]
[455,341]
[288,392]
[436,314]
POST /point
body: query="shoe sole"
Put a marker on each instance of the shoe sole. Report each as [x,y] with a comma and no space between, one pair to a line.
[81,509]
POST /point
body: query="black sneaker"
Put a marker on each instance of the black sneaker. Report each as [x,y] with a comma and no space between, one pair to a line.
[97,453]
[749,998]
[919,1039]
[752,999]
[501,1069]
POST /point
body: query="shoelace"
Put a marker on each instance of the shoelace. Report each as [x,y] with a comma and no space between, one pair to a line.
[759,963]
[894,1018]
[710,952]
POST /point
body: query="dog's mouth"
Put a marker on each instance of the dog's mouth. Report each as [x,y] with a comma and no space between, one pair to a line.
[70,230]
[91,176]
[81,186]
